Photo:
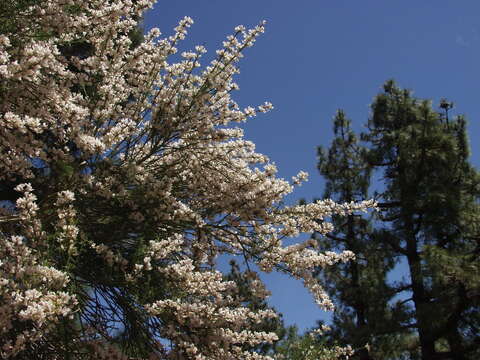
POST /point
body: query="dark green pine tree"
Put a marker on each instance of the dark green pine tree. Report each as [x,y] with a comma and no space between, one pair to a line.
[430,214]
[359,288]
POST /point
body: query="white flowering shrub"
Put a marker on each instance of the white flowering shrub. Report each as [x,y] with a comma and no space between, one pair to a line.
[312,345]
[122,179]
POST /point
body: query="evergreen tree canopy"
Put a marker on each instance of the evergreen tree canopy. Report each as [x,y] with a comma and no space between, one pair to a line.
[428,219]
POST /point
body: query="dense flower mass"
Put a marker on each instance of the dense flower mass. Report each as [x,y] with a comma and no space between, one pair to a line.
[121,184]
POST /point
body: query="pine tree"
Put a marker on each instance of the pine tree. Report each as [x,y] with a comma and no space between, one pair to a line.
[360,288]
[430,212]
[428,219]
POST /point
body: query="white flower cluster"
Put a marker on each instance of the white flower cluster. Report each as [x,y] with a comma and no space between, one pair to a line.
[130,178]
[66,229]
[32,297]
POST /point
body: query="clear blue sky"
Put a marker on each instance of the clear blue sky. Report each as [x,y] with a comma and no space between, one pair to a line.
[317,56]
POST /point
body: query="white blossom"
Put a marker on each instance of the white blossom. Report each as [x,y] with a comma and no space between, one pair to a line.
[131,169]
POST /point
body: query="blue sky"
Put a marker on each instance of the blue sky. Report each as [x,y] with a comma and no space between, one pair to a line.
[318,56]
